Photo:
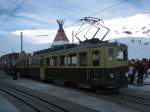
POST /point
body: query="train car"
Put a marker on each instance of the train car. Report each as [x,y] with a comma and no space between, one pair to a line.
[90,63]
[100,65]
[7,60]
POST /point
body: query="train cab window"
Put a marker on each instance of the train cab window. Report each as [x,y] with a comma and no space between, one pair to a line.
[122,54]
[72,59]
[95,58]
[110,54]
[47,61]
[83,59]
[62,60]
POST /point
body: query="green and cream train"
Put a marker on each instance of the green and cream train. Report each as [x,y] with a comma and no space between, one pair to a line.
[98,64]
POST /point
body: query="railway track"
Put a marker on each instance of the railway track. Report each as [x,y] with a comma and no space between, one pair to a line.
[137,101]
[145,101]
[33,102]
[38,101]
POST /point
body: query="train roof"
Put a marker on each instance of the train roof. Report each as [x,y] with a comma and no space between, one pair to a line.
[86,44]
[15,53]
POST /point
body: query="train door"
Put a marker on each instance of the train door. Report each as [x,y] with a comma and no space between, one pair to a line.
[42,72]
[84,67]
[95,63]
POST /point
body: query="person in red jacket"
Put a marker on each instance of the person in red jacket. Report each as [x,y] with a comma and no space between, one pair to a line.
[145,63]
[148,71]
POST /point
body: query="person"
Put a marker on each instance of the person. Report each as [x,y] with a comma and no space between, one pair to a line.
[148,71]
[13,71]
[131,71]
[140,70]
[145,63]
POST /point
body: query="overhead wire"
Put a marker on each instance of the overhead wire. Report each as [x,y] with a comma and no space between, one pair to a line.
[71,24]
[107,8]
[98,12]
[95,13]
[13,12]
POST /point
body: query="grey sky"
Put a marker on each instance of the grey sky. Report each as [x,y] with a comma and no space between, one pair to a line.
[34,14]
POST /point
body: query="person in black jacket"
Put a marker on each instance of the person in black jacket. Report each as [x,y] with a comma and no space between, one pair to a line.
[140,70]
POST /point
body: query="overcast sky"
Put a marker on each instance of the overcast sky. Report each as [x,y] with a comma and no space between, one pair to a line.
[42,14]
[35,14]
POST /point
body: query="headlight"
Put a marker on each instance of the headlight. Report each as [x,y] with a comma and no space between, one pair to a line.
[112,75]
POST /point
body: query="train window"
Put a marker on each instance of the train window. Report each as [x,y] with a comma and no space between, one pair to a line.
[37,62]
[33,62]
[62,60]
[24,63]
[41,62]
[72,59]
[122,54]
[15,56]
[110,54]
[83,59]
[95,58]
[55,60]
[47,61]
[51,61]
[29,61]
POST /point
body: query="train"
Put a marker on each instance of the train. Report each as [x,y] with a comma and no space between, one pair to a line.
[7,60]
[92,63]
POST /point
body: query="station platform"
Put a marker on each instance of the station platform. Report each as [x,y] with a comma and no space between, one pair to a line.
[6,106]
[144,87]
[72,95]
